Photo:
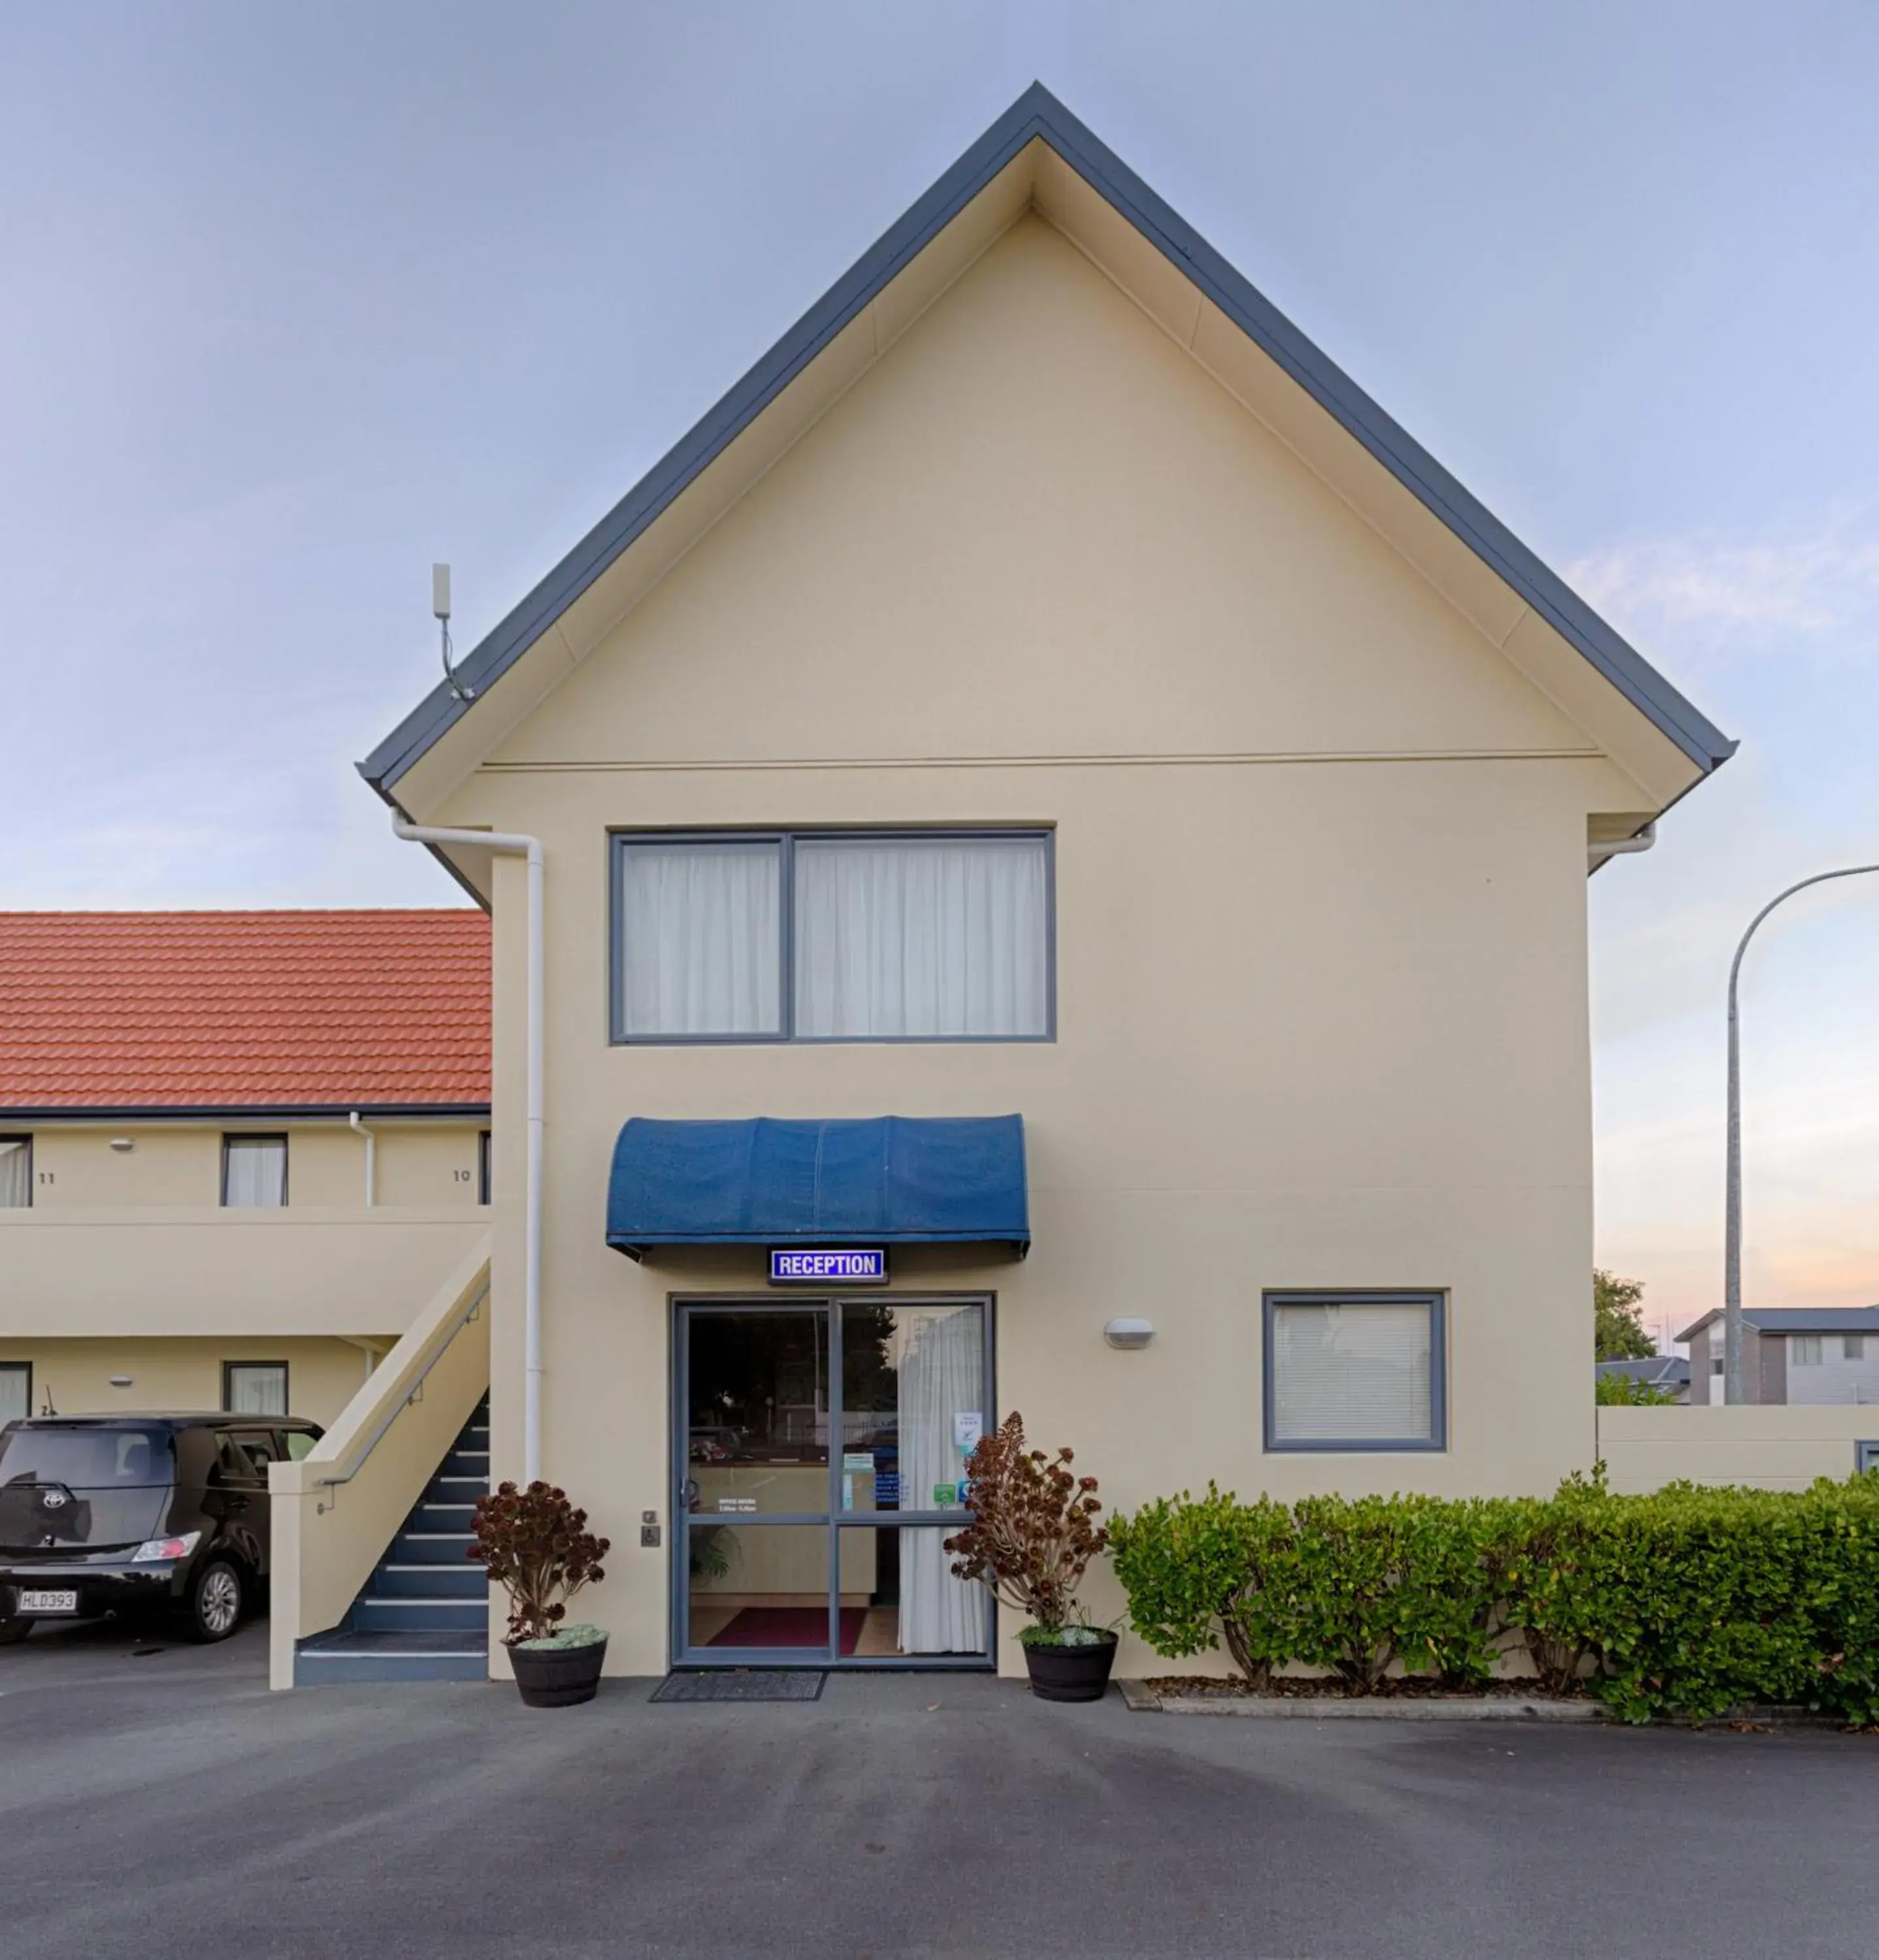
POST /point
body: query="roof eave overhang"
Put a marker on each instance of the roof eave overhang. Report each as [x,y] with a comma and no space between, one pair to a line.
[1037,117]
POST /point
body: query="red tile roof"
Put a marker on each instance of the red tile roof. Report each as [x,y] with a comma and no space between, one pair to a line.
[227,1010]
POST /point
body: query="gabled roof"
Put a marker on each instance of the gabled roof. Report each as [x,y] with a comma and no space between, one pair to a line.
[122,1013]
[1039,119]
[1797,1320]
[1655,1371]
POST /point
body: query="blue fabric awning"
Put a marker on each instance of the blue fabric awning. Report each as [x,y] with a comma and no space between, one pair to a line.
[879,1181]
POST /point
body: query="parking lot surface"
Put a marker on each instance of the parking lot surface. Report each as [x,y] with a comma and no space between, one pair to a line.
[167,1804]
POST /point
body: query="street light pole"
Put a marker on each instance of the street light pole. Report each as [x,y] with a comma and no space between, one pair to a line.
[1732,1222]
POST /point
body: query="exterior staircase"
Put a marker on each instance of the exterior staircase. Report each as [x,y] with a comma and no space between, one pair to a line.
[424,1614]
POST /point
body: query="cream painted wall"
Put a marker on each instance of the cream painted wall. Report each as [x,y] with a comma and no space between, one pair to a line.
[1777,1446]
[180,1164]
[175,1271]
[1321,921]
[184,1374]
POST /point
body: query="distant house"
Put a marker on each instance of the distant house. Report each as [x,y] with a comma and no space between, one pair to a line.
[1811,1355]
[1668,1374]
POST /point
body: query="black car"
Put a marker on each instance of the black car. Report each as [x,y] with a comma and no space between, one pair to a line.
[141,1515]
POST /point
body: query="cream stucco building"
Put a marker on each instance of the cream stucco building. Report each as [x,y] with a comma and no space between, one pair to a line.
[1045,692]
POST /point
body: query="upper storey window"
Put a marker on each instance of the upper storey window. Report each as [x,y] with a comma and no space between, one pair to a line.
[833,936]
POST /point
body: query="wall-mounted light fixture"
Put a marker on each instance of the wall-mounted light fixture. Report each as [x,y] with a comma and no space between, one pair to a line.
[121,1381]
[122,1144]
[1129,1333]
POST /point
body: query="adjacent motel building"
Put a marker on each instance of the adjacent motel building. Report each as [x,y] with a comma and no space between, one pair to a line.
[238,1151]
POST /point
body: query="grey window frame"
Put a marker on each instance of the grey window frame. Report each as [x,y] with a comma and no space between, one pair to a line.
[26,1369]
[248,1416]
[682,1654]
[1434,1298]
[1816,1359]
[619,841]
[485,1172]
[1866,1456]
[1853,1347]
[22,1136]
[258,1137]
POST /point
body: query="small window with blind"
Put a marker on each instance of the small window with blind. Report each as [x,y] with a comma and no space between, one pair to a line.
[254,1171]
[834,936]
[1354,1371]
[16,1172]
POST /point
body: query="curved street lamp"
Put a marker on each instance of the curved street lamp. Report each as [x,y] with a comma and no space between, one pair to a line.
[1732,1226]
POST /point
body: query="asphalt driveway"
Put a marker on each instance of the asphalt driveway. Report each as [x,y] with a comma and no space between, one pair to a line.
[169,1805]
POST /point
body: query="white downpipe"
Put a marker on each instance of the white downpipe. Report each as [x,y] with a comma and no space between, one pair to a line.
[371,1145]
[531,848]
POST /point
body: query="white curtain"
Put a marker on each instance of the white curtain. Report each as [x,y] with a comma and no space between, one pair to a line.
[255,1171]
[14,1399]
[939,1355]
[16,1172]
[701,953]
[257,1389]
[924,936]
[1351,1373]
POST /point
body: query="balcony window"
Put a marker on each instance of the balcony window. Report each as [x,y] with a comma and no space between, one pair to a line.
[834,936]
[254,1171]
[254,1388]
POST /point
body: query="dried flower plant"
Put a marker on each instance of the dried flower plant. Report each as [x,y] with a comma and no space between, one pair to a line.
[536,1546]
[1033,1532]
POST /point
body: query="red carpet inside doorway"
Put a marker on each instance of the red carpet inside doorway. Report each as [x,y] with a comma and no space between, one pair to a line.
[789,1626]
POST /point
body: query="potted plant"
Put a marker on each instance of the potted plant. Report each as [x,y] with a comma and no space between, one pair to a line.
[536,1546]
[1031,1538]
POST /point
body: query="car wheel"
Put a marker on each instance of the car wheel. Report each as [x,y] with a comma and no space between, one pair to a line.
[215,1602]
[13,1629]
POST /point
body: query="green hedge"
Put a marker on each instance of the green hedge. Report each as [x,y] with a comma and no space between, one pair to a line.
[1687,1602]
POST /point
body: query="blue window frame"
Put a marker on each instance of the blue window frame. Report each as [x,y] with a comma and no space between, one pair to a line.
[754,966]
[1354,1371]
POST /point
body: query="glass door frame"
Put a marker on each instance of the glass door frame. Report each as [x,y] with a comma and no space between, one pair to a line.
[680,1307]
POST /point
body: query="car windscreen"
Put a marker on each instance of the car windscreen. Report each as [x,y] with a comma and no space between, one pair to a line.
[87,1458]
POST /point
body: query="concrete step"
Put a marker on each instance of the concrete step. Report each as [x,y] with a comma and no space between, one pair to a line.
[446,1489]
[454,1582]
[402,1613]
[345,1659]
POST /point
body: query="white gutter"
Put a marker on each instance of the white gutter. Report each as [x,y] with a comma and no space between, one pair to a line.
[531,848]
[1624,847]
[371,1145]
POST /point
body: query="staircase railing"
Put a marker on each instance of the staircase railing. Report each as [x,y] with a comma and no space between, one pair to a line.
[336,1511]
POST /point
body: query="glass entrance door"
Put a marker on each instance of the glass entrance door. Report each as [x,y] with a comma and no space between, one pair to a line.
[821,1452]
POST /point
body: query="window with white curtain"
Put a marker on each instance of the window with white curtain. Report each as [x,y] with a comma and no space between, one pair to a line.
[254,1171]
[1358,1371]
[254,1388]
[834,936]
[16,1172]
[16,1391]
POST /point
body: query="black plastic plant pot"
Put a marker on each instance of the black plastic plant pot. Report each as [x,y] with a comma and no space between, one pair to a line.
[557,1677]
[1070,1673]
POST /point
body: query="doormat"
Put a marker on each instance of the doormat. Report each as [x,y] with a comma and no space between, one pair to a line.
[743,1684]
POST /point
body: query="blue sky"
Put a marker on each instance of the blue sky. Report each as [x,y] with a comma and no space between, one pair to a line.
[297,299]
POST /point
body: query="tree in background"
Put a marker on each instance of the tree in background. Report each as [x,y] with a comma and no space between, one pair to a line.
[1619,1333]
[1621,1392]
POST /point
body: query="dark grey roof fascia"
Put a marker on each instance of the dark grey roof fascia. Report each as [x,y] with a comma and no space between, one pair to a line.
[1037,114]
[1796,1320]
[195,1112]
